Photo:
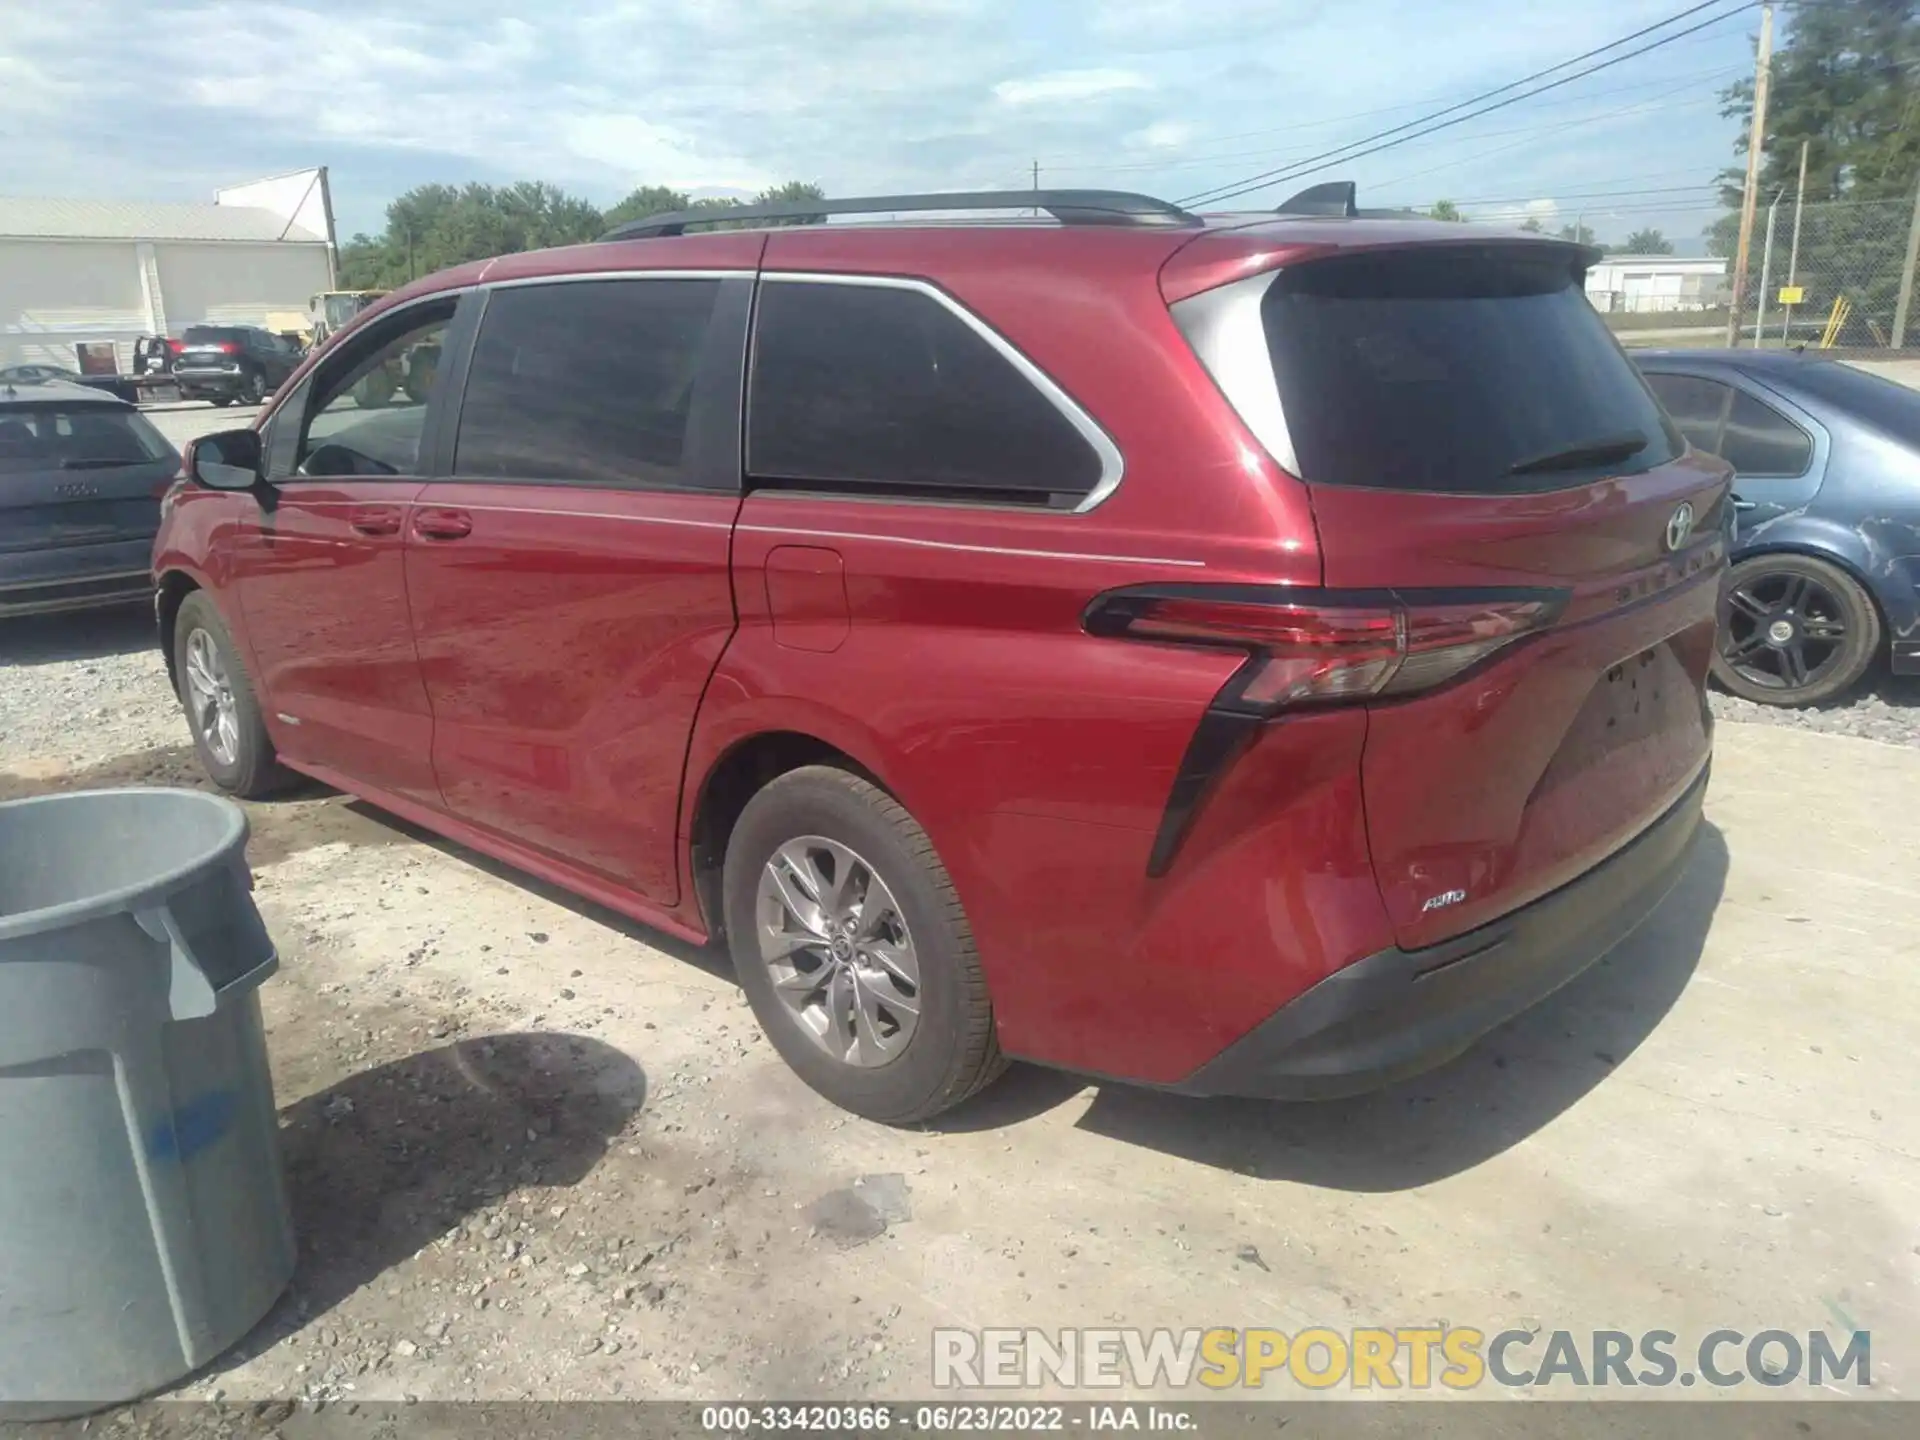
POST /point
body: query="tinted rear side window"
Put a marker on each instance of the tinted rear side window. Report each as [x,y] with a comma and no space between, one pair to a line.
[884,388]
[587,382]
[1442,370]
[1698,406]
[1762,441]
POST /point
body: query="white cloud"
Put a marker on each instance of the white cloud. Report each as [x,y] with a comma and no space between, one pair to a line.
[630,145]
[1068,85]
[132,98]
[1161,135]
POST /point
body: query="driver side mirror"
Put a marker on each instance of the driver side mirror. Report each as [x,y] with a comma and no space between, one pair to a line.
[230,460]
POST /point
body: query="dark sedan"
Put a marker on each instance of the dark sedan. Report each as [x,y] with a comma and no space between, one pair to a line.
[81,475]
[1826,458]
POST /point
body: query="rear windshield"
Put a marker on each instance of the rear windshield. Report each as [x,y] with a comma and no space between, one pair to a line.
[1470,370]
[1887,404]
[79,437]
[213,335]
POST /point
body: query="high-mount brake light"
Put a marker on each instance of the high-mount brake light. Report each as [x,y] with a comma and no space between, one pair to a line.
[1308,648]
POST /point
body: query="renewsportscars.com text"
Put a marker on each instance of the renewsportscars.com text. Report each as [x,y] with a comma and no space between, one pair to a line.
[1402,1358]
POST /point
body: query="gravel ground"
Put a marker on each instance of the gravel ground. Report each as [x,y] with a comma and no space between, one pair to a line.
[1886,708]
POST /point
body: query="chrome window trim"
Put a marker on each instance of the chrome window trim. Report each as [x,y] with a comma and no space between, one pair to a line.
[1112,464]
[1225,328]
[572,277]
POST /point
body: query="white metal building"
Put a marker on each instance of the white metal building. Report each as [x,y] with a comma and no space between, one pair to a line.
[105,270]
[1657,282]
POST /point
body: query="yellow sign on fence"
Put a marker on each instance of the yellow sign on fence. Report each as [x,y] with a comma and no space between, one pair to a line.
[1792,294]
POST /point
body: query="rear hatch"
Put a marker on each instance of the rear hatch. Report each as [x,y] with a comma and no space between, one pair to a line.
[1472,436]
[79,474]
[209,347]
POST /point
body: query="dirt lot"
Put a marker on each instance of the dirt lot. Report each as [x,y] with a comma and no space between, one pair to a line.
[537,1151]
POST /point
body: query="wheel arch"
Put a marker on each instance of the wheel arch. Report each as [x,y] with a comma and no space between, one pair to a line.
[1855,560]
[737,774]
[169,596]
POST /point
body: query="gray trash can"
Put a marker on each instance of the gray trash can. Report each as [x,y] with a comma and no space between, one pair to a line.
[143,1214]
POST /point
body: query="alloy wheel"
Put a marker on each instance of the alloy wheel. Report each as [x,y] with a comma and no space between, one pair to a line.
[838,950]
[210,702]
[1784,630]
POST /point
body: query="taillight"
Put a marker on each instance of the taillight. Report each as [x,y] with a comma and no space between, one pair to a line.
[227,347]
[1308,648]
[1321,646]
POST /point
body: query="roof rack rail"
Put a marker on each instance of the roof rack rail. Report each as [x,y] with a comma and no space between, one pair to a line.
[1337,198]
[1069,207]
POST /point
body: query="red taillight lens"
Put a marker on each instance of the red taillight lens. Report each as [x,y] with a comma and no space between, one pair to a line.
[1309,647]
[226,347]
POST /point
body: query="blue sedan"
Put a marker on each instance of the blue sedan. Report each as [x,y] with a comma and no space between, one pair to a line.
[1826,575]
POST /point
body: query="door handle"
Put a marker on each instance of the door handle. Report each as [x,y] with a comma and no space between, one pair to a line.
[442,524]
[375,519]
[1740,504]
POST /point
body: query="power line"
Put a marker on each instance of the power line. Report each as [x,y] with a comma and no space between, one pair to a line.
[1061,158]
[1354,149]
[1533,134]
[1188,162]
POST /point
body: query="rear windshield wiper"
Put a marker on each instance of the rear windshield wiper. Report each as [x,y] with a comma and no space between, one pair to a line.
[1602,451]
[97,464]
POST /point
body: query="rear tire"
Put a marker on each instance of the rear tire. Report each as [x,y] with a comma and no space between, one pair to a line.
[220,402]
[1793,630]
[906,1064]
[223,713]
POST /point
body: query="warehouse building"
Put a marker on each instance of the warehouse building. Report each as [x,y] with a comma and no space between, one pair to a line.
[98,273]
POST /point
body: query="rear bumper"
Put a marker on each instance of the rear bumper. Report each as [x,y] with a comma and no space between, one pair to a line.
[44,597]
[209,382]
[1398,1012]
[39,582]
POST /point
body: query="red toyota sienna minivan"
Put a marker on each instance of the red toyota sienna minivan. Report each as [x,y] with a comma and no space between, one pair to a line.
[1253,655]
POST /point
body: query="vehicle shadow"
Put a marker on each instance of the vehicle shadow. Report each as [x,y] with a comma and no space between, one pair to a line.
[79,635]
[711,958]
[388,1160]
[1514,1082]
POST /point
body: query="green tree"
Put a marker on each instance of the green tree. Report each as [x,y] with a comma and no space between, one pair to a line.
[1533,226]
[1846,80]
[1579,234]
[1445,210]
[1647,242]
[646,200]
[434,226]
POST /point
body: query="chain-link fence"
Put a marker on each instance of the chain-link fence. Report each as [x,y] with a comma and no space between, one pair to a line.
[1835,286]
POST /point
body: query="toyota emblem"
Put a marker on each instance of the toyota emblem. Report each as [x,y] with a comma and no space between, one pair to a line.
[1680,527]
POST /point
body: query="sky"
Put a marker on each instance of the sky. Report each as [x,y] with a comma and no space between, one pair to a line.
[169,99]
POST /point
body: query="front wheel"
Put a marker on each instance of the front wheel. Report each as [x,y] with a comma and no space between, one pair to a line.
[1793,630]
[853,950]
[223,714]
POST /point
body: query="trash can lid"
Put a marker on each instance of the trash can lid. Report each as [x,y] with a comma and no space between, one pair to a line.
[73,856]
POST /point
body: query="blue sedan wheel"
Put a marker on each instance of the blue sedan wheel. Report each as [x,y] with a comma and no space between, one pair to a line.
[1793,630]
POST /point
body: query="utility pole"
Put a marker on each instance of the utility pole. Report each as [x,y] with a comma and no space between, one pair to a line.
[1036,174]
[1766,270]
[1756,142]
[1793,259]
[1906,276]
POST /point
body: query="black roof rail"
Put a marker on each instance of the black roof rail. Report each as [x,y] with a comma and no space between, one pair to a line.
[1069,207]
